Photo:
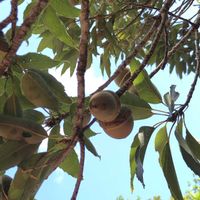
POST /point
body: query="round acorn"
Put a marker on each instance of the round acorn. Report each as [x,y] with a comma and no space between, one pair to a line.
[121,126]
[104,105]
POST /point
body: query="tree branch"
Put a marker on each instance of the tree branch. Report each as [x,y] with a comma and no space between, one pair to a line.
[14,11]
[80,175]
[82,64]
[20,35]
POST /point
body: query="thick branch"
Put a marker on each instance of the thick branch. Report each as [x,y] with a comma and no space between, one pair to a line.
[82,64]
[20,35]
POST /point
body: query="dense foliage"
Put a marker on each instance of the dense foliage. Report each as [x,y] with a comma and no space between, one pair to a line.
[144,36]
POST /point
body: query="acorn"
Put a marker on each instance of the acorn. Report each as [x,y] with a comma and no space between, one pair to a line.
[5,182]
[104,105]
[121,126]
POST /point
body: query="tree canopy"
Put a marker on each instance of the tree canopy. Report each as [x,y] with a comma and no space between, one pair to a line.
[142,38]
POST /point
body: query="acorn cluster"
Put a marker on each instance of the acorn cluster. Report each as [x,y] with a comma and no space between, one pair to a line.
[115,119]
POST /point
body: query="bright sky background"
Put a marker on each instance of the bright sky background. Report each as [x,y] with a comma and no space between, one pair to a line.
[109,177]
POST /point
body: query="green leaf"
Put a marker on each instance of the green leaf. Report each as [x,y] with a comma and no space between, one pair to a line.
[56,87]
[140,108]
[37,91]
[56,26]
[53,136]
[36,61]
[71,164]
[34,115]
[9,125]
[193,144]
[12,106]
[145,88]
[14,152]
[65,9]
[91,148]
[31,174]
[137,152]
[182,142]
[166,163]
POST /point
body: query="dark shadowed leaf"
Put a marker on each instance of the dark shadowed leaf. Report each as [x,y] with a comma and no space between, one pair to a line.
[137,152]
[166,162]
[140,108]
[71,164]
[14,152]
[193,144]
[34,115]
[53,136]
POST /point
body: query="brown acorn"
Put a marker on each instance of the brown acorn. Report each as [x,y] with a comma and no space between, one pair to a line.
[105,105]
[121,126]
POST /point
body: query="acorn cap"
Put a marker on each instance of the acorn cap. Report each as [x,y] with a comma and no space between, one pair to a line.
[105,105]
[120,127]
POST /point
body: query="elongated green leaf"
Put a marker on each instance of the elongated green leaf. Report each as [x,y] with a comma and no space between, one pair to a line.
[55,26]
[36,61]
[56,87]
[193,144]
[71,164]
[194,165]
[140,108]
[146,89]
[14,152]
[90,147]
[37,91]
[166,163]
[137,152]
[65,9]
[182,143]
[14,124]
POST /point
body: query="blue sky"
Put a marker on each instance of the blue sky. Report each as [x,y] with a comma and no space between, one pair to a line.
[110,177]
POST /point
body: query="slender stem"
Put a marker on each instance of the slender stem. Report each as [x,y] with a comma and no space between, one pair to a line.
[80,175]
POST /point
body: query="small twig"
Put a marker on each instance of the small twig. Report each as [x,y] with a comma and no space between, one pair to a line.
[80,175]
[166,39]
[19,36]
[82,64]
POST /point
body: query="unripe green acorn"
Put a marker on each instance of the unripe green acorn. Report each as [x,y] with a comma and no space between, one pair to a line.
[105,105]
[121,126]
